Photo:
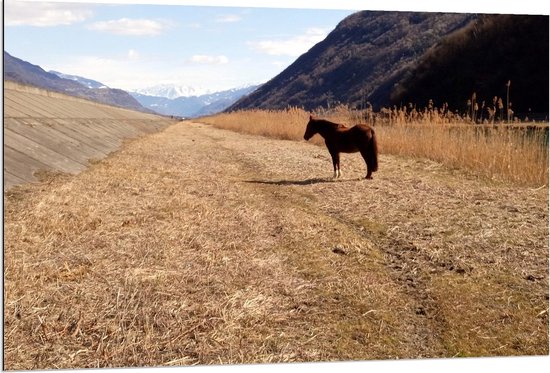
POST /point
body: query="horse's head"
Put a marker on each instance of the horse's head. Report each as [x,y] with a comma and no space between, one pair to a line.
[311,128]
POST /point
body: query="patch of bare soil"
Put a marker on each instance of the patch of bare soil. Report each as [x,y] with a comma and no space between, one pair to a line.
[202,246]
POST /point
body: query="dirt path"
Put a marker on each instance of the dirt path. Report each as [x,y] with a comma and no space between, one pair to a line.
[202,246]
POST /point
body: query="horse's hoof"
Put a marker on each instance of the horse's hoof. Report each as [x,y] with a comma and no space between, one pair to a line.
[368,177]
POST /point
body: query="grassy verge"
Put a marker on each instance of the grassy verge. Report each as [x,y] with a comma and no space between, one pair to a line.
[517,154]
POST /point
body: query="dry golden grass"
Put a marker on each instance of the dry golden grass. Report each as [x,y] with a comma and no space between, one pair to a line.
[508,153]
[280,124]
[512,154]
[203,246]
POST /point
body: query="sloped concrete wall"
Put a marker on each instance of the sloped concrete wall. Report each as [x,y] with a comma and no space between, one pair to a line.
[50,131]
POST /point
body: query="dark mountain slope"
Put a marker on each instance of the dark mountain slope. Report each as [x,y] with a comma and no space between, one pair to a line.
[481,58]
[396,58]
[84,81]
[24,72]
[364,52]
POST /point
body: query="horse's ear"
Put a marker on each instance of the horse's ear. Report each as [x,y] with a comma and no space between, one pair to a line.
[310,117]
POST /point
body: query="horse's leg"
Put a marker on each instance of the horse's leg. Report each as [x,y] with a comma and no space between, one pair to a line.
[365,155]
[336,163]
[338,172]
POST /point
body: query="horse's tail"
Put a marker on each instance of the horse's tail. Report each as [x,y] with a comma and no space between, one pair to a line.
[372,151]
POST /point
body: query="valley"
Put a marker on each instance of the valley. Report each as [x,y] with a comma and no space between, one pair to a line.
[175,225]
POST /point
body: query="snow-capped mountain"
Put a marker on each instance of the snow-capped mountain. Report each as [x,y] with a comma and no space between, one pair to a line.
[193,106]
[92,84]
[172,91]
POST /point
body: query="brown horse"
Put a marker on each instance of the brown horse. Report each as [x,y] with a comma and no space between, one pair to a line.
[341,139]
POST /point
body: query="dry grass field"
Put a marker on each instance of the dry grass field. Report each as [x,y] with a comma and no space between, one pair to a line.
[198,245]
[516,153]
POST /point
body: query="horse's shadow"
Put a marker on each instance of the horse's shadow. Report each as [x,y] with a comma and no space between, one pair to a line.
[316,180]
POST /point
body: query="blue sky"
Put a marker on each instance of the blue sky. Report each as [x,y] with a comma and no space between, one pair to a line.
[137,45]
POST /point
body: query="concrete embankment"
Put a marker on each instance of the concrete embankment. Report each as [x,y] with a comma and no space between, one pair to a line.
[49,131]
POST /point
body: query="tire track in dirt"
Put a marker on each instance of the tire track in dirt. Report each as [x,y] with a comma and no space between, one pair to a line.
[272,174]
[400,258]
[440,224]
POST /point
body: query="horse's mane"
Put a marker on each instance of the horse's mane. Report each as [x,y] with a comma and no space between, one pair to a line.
[328,123]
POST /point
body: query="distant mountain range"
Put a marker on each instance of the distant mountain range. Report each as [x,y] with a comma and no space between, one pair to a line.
[396,58]
[172,91]
[373,58]
[192,106]
[24,72]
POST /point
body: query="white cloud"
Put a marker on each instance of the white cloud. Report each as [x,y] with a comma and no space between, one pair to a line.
[229,18]
[132,27]
[131,70]
[120,71]
[194,25]
[42,14]
[114,71]
[133,55]
[209,60]
[293,46]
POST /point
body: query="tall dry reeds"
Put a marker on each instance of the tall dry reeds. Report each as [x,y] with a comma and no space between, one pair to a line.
[517,153]
[286,124]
